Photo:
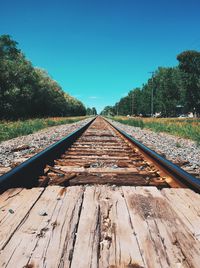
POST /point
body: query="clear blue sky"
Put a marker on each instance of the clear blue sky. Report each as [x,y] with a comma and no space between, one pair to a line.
[98,50]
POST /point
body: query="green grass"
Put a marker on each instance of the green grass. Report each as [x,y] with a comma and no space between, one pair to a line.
[10,130]
[130,122]
[181,127]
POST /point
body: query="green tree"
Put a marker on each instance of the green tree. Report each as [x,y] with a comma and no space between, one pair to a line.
[88,111]
[164,90]
[26,91]
[16,75]
[166,87]
[108,111]
[134,102]
[189,64]
[8,48]
[94,111]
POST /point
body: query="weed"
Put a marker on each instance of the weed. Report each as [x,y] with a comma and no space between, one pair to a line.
[187,127]
[178,145]
[10,130]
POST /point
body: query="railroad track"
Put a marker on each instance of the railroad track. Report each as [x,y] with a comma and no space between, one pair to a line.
[98,153]
[69,219]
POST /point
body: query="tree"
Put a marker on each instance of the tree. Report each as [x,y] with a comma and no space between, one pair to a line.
[165,85]
[8,47]
[8,55]
[26,91]
[145,103]
[134,101]
[108,111]
[163,90]
[94,111]
[88,111]
[189,64]
[129,105]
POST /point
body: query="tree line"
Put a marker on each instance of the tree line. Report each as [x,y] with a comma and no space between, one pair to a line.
[169,91]
[91,111]
[28,92]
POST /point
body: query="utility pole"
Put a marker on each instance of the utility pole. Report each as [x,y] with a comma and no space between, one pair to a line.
[152,102]
[117,108]
[152,95]
[132,104]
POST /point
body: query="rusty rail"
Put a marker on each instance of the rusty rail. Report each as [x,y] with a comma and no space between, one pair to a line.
[178,173]
[26,174]
[86,146]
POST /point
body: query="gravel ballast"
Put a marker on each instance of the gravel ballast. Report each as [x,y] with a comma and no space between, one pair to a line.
[183,152]
[15,151]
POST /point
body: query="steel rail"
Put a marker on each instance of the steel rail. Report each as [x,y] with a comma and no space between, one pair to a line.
[177,172]
[26,174]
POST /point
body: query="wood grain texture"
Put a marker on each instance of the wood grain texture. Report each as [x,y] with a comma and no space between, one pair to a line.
[99,226]
[152,248]
[86,249]
[46,236]
[119,246]
[15,205]
[186,203]
[10,193]
[171,242]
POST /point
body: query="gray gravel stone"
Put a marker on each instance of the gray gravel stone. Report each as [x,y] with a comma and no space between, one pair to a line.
[12,152]
[175,149]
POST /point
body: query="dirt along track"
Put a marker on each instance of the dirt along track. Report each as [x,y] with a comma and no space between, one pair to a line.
[103,156]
